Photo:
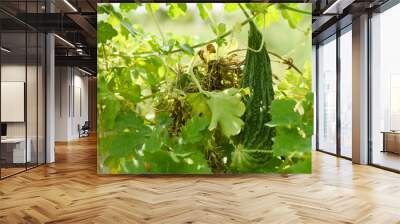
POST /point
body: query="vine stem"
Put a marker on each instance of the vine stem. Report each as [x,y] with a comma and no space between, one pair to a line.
[244,11]
[249,19]
[157,24]
[152,53]
[195,80]
[295,10]
[104,57]
[283,60]
[262,40]
[287,62]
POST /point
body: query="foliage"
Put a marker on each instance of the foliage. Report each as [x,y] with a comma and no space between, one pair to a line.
[226,108]
[160,113]
[292,116]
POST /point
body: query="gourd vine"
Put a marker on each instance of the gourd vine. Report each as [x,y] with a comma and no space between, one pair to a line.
[175,96]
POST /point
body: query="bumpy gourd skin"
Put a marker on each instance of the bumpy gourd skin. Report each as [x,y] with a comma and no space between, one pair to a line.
[258,76]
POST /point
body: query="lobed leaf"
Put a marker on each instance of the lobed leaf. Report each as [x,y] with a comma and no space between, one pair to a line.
[226,110]
[105,32]
[193,131]
[283,114]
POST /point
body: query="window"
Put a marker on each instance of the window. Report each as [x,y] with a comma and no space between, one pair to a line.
[346,93]
[385,89]
[22,77]
[327,96]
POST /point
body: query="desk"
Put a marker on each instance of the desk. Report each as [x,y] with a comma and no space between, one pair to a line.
[16,147]
[391,141]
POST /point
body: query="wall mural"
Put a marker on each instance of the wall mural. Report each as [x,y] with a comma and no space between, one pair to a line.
[204,88]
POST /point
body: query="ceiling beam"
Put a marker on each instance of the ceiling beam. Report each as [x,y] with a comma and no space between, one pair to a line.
[86,27]
[337,7]
[78,61]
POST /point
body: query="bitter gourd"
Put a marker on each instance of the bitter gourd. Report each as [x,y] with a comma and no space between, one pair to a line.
[257,75]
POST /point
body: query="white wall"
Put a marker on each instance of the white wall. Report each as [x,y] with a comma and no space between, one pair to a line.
[71,94]
[80,109]
[62,82]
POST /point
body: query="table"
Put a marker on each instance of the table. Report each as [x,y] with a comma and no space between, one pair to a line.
[391,141]
[16,147]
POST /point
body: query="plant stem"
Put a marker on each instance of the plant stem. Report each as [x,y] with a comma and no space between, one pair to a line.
[152,53]
[195,80]
[104,57]
[283,60]
[295,10]
[287,62]
[158,25]
[248,16]
[244,10]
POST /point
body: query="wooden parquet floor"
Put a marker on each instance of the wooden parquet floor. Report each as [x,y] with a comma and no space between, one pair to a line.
[70,191]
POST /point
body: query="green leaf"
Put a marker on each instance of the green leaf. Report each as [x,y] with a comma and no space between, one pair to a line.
[126,7]
[221,28]
[108,109]
[192,132]
[104,8]
[289,140]
[187,49]
[198,104]
[132,122]
[133,165]
[202,11]
[166,163]
[283,113]
[271,16]
[130,93]
[105,32]
[155,142]
[113,163]
[152,7]
[126,26]
[301,166]
[159,136]
[293,18]
[253,160]
[175,10]
[258,7]
[231,7]
[226,108]
[125,143]
[240,158]
[130,132]
[182,6]
[163,120]
[308,117]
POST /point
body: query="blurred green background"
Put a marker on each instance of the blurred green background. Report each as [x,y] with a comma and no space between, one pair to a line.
[280,38]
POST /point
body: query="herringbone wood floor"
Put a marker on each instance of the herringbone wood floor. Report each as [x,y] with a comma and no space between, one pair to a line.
[70,191]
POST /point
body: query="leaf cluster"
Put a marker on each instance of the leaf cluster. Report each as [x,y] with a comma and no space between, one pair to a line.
[153,118]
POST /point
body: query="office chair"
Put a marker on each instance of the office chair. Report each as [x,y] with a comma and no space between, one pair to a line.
[84,130]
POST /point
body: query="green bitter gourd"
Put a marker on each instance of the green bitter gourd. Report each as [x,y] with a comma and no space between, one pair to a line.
[257,76]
